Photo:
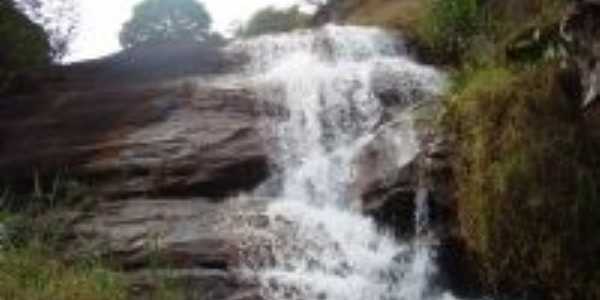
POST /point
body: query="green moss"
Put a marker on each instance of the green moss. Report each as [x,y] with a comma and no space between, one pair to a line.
[525,173]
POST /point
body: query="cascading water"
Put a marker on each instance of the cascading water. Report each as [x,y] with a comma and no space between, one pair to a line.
[321,246]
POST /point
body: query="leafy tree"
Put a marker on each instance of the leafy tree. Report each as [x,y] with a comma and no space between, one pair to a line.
[59,18]
[24,44]
[156,21]
[33,33]
[272,20]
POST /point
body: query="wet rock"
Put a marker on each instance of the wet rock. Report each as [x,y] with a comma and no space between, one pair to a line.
[398,88]
[388,183]
[175,140]
[581,30]
[191,242]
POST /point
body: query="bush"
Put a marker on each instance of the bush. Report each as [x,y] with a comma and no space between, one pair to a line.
[448,27]
[528,200]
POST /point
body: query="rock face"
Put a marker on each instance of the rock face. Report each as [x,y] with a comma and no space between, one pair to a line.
[161,143]
[175,140]
[581,30]
[388,192]
[185,240]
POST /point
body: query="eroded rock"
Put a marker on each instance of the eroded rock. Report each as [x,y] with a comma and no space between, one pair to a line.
[190,242]
[178,140]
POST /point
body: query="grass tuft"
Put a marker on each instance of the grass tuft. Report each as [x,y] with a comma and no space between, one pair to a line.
[33,273]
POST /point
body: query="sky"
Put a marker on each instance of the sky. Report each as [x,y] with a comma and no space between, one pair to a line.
[101,22]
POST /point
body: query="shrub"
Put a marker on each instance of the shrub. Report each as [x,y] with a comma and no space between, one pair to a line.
[448,27]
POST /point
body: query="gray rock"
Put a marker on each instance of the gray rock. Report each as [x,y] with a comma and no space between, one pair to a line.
[387,184]
[161,154]
[175,140]
[197,243]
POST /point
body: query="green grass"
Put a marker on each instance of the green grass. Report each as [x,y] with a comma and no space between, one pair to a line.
[33,265]
[33,273]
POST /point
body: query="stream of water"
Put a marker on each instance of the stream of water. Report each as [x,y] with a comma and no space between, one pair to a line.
[326,80]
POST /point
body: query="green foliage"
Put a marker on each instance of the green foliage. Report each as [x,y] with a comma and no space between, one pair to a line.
[528,203]
[448,26]
[24,44]
[59,18]
[272,20]
[475,31]
[157,21]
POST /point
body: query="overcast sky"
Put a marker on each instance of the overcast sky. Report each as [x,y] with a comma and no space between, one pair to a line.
[101,21]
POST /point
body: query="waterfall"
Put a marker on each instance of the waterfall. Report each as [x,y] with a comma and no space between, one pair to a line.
[328,82]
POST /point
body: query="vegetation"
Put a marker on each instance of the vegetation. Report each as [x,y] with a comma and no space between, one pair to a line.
[272,20]
[30,272]
[34,230]
[449,26]
[33,233]
[158,21]
[528,201]
[24,44]
[526,165]
[399,14]
[27,44]
[59,18]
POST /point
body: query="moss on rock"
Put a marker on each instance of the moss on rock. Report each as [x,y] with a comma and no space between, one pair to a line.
[528,203]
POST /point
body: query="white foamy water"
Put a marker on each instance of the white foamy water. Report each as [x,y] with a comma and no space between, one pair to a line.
[327,81]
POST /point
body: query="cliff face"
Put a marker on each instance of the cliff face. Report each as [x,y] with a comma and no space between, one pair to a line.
[161,145]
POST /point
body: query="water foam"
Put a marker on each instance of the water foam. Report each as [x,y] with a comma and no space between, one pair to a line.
[327,79]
